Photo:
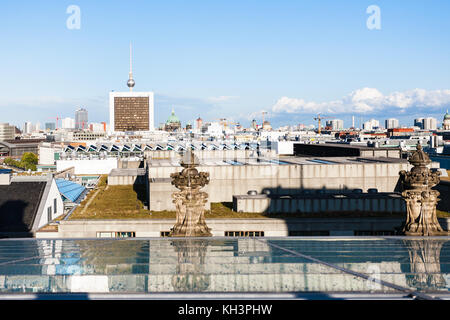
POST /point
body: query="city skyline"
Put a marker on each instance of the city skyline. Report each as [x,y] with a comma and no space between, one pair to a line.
[290,59]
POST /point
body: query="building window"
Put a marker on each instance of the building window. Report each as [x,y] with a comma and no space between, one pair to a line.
[244,233]
[118,234]
[54,206]
[49,214]
[308,233]
[164,233]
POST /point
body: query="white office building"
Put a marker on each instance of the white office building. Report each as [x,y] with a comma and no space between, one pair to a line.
[371,124]
[429,123]
[28,128]
[391,123]
[68,123]
[337,124]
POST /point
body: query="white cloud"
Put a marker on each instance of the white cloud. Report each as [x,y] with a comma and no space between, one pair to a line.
[367,100]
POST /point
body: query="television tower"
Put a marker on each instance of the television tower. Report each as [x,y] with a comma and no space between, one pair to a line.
[131,82]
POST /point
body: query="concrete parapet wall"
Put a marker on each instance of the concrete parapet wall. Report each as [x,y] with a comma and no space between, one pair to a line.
[271,227]
[88,166]
[122,180]
[382,203]
[228,180]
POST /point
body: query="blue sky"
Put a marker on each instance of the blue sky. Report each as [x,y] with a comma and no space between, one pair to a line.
[227,59]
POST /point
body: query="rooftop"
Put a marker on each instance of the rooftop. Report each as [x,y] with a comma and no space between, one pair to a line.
[19,203]
[282,160]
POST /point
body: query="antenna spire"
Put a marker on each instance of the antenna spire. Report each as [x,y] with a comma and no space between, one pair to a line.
[131,82]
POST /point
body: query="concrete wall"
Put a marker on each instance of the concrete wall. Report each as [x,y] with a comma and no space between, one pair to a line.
[388,203]
[46,154]
[127,180]
[270,227]
[86,166]
[283,147]
[227,181]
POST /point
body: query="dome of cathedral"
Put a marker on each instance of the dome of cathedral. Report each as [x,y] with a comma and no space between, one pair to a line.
[447,116]
[173,118]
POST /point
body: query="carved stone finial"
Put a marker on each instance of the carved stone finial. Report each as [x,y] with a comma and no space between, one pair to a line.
[420,199]
[190,201]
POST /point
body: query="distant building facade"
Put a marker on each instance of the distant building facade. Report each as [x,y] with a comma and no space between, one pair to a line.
[391,123]
[81,119]
[7,132]
[68,123]
[429,123]
[371,124]
[28,127]
[50,126]
[335,124]
[418,123]
[131,111]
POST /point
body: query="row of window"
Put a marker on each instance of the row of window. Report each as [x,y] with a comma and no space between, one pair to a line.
[119,234]
[294,233]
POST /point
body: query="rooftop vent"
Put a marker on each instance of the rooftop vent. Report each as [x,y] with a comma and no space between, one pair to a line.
[5,179]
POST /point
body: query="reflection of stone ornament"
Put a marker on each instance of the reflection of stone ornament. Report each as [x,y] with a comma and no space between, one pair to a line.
[190,201]
[190,276]
[425,266]
[421,200]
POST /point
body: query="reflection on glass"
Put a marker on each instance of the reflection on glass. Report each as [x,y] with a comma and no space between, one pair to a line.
[190,274]
[223,265]
[425,264]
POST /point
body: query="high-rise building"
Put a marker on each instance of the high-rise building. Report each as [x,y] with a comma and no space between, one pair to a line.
[336,124]
[131,111]
[429,123]
[7,132]
[199,122]
[371,124]
[418,123]
[391,123]
[27,128]
[50,126]
[68,123]
[81,119]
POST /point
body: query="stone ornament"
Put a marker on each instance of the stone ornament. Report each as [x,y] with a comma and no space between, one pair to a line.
[421,200]
[190,201]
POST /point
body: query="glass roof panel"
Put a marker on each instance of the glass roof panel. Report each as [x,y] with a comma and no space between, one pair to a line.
[135,265]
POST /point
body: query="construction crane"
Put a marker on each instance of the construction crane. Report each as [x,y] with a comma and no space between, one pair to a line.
[319,118]
[263,113]
[225,123]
